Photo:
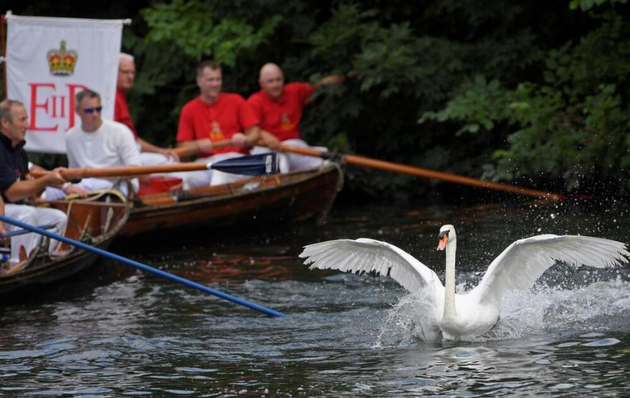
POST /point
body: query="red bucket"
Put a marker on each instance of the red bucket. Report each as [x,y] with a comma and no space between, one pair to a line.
[160,184]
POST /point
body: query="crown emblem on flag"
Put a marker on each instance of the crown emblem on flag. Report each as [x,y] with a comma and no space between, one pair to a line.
[62,62]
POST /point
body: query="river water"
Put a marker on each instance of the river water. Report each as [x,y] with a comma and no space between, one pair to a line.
[117,332]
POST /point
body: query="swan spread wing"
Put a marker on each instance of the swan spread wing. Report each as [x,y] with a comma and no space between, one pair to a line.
[369,255]
[525,260]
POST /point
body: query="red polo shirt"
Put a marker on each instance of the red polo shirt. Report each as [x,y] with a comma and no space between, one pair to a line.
[218,121]
[121,112]
[282,117]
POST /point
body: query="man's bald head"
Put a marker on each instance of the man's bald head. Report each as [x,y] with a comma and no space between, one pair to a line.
[271,80]
[269,69]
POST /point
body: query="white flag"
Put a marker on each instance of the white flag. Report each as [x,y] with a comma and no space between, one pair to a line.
[49,60]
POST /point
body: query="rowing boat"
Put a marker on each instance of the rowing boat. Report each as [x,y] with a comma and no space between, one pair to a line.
[95,222]
[300,196]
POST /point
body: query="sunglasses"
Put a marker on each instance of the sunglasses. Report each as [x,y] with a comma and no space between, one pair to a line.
[92,110]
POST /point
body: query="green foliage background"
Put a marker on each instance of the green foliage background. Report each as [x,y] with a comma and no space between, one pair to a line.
[529,92]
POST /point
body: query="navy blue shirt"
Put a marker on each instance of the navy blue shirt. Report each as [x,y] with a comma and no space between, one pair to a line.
[13,164]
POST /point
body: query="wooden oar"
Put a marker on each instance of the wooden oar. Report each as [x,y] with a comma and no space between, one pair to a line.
[183,151]
[254,165]
[144,267]
[419,172]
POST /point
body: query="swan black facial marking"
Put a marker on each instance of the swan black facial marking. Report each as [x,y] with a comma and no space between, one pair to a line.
[441,235]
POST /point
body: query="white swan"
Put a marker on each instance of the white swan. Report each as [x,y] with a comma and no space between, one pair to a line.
[464,316]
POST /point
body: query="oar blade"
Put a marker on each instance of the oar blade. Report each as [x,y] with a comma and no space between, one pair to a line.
[254,165]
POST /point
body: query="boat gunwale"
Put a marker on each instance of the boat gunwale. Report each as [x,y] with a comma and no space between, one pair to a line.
[238,193]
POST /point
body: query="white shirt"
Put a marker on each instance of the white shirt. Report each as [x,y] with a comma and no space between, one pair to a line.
[111,145]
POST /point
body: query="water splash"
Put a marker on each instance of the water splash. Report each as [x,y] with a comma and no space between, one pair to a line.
[599,307]
[410,319]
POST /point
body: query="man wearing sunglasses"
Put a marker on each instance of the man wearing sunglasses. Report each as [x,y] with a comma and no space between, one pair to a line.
[97,143]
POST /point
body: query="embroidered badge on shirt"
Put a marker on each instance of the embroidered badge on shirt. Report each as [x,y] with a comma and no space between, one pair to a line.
[286,122]
[215,132]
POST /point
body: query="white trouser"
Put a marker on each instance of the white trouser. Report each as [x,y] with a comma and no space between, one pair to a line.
[292,161]
[154,159]
[91,184]
[34,216]
[203,178]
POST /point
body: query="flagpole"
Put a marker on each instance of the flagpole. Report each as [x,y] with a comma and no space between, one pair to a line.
[4,54]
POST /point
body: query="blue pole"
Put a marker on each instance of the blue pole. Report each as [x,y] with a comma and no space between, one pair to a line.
[145,268]
[24,232]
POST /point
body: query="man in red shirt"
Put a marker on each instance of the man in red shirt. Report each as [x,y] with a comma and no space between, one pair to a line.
[151,155]
[279,109]
[216,116]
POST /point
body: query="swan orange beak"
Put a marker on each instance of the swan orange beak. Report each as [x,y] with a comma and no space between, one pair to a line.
[443,242]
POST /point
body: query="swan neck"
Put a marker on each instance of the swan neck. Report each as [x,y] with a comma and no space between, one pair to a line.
[449,282]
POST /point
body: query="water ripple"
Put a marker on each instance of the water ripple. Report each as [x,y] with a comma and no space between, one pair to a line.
[346,335]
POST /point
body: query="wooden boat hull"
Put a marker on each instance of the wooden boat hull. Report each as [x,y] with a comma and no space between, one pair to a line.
[282,198]
[53,272]
[86,221]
